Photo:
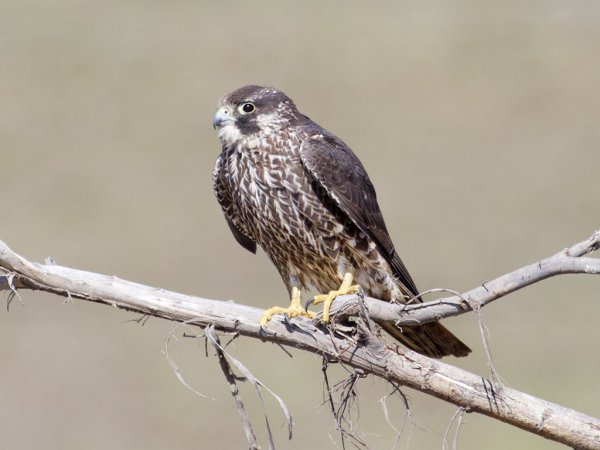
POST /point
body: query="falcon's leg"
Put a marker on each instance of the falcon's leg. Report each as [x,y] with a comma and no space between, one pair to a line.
[294,310]
[327,299]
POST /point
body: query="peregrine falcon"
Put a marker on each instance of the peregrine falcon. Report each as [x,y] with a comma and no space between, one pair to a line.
[299,192]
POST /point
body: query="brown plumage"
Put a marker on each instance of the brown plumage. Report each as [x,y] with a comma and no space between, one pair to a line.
[299,192]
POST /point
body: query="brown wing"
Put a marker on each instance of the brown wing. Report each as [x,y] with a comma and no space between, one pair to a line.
[337,169]
[223,194]
[333,165]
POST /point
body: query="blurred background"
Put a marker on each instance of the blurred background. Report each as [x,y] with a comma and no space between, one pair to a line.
[477,121]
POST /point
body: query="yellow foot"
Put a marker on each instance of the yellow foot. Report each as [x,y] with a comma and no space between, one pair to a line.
[327,299]
[294,310]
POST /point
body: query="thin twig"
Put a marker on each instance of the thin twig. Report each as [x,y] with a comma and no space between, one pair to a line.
[457,416]
[213,338]
[171,336]
[235,393]
[407,413]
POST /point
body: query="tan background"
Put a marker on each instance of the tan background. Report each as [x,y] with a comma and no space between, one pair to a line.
[479,127]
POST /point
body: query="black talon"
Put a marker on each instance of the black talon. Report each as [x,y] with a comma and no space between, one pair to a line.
[308,303]
[264,332]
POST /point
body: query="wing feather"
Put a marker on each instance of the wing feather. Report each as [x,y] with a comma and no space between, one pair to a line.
[334,166]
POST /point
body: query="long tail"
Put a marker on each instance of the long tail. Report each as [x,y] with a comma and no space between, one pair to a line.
[431,339]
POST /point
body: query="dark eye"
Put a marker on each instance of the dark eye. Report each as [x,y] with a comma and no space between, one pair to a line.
[247,108]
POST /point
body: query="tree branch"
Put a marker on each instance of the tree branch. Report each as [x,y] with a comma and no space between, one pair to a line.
[568,261]
[370,353]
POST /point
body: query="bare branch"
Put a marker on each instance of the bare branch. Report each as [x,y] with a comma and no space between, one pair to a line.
[369,354]
[568,261]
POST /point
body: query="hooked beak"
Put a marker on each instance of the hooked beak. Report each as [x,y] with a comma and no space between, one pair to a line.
[222,117]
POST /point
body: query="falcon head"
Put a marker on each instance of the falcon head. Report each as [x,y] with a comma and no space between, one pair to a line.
[253,111]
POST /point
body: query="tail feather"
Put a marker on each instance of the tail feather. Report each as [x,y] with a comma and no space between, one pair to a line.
[431,339]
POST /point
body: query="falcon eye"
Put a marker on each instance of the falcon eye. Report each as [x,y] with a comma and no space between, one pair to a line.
[247,108]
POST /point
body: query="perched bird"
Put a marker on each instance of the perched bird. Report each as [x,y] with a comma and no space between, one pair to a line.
[300,193]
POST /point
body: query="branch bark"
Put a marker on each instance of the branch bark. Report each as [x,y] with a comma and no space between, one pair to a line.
[370,354]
